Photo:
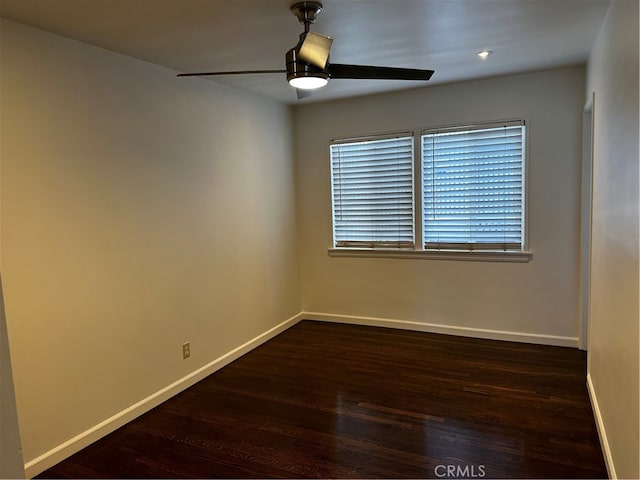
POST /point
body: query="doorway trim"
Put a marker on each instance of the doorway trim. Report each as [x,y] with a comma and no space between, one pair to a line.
[586,220]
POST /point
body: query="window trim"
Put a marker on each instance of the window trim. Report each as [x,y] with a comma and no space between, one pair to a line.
[476,255]
[419,252]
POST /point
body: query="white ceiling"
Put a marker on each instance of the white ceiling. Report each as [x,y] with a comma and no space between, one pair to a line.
[443,35]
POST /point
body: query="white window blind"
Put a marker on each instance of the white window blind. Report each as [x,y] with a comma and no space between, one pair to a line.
[372,192]
[473,187]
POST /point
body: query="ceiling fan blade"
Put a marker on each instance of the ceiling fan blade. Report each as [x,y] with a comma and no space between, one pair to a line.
[237,72]
[368,72]
[315,49]
[301,93]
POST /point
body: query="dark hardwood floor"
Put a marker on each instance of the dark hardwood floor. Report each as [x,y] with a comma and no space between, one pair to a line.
[337,401]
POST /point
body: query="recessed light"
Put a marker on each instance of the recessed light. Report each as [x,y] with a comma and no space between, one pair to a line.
[484,54]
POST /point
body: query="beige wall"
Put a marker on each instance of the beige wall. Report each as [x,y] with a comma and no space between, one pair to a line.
[139,211]
[614,317]
[540,297]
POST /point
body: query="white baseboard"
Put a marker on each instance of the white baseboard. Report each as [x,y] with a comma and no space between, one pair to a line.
[444,329]
[77,443]
[604,442]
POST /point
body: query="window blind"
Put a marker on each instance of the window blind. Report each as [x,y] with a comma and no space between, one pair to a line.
[372,192]
[473,188]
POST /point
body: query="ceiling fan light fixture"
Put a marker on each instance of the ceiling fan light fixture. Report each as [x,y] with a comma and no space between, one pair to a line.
[308,82]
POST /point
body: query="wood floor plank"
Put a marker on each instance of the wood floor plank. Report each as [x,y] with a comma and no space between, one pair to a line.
[326,400]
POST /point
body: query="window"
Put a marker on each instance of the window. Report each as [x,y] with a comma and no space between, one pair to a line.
[473,188]
[471,193]
[372,192]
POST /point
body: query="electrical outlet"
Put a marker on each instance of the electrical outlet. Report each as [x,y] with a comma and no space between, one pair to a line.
[186,350]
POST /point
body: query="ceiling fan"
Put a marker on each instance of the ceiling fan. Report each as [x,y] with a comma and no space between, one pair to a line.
[308,66]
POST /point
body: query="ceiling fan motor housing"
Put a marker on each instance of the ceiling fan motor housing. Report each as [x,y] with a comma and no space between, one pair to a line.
[297,68]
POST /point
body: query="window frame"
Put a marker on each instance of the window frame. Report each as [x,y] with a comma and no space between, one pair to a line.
[419,251]
[409,134]
[523,177]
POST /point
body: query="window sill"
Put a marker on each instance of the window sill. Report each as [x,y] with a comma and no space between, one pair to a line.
[478,256]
